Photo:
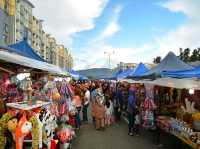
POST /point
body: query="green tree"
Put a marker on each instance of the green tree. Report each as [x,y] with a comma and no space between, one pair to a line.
[157,60]
[186,55]
[194,57]
[198,53]
[181,54]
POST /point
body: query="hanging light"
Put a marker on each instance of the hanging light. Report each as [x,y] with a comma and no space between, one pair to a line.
[22,76]
[191,91]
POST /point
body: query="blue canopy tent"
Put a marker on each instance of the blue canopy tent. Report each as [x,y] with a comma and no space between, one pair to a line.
[125,74]
[74,74]
[193,73]
[82,78]
[24,49]
[12,57]
[170,63]
[140,70]
[114,76]
[77,76]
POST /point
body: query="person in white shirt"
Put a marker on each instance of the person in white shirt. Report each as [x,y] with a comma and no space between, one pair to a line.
[86,104]
[109,112]
[137,122]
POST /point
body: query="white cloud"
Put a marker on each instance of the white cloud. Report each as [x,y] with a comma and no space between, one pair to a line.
[64,18]
[94,56]
[113,26]
[188,7]
[186,35]
[111,29]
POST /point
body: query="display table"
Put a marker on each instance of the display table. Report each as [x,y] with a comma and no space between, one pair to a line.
[164,123]
[186,141]
[26,106]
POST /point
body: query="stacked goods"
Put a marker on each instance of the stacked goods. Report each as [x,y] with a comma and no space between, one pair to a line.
[196,121]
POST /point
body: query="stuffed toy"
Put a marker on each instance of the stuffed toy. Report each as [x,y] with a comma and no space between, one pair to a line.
[3,127]
[12,125]
[36,132]
[49,124]
[23,128]
[56,96]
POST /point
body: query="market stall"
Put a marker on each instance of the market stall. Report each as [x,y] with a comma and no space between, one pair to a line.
[42,117]
[177,110]
[172,106]
[36,107]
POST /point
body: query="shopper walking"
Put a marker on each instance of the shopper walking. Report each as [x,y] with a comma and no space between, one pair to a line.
[109,112]
[131,110]
[93,98]
[86,104]
[78,103]
[99,113]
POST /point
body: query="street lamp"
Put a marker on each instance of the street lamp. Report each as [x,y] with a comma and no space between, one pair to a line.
[109,57]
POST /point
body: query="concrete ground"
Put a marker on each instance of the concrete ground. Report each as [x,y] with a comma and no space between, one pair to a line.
[114,137]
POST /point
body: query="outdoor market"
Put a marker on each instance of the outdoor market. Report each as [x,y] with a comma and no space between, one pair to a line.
[41,104]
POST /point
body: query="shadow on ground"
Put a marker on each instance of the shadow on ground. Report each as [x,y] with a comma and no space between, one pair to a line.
[114,137]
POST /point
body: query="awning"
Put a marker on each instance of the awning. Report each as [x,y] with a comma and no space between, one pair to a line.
[24,49]
[171,82]
[193,73]
[28,62]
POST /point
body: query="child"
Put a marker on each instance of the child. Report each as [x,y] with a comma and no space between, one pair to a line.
[109,111]
[137,122]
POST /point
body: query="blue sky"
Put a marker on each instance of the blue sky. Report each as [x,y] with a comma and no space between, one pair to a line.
[136,30]
[140,21]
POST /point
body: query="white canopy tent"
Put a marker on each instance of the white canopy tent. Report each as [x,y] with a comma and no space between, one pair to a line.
[189,83]
[28,62]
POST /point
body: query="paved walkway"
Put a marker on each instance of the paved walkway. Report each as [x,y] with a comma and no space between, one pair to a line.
[114,137]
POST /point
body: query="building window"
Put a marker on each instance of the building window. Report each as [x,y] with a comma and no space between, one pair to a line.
[6,28]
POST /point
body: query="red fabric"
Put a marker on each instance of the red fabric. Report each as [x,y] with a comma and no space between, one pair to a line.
[53,144]
[72,120]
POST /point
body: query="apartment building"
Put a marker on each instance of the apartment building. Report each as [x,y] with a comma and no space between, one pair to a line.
[7,22]
[38,36]
[52,51]
[23,21]
[69,62]
[18,23]
[61,56]
[124,66]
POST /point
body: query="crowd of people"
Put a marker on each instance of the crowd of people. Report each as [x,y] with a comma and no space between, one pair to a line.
[106,102]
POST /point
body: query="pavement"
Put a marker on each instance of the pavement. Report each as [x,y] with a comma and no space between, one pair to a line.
[113,137]
[116,137]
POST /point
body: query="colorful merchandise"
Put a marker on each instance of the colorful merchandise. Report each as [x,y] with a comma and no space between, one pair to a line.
[23,128]
[3,127]
[148,108]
